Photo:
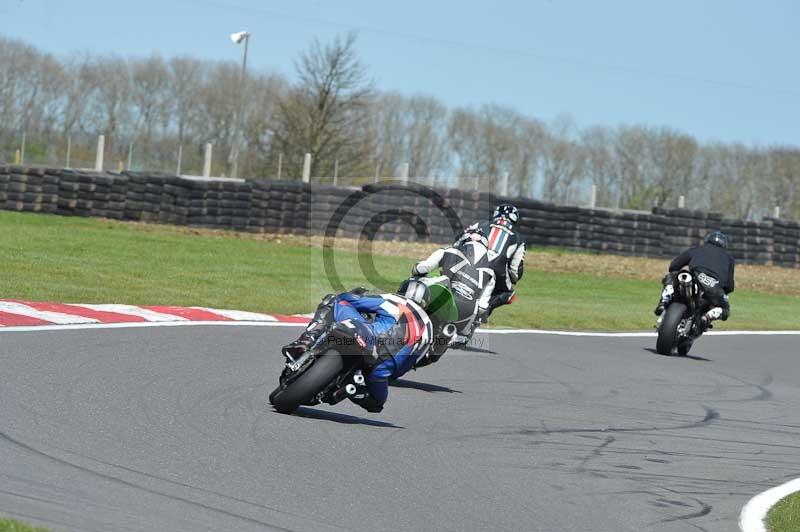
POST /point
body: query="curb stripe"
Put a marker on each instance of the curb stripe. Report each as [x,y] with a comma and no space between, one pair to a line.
[755,511]
[12,307]
[239,315]
[102,317]
[191,314]
[7,319]
[142,324]
[132,310]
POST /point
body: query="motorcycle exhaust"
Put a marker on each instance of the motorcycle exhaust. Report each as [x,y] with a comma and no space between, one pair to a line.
[685,282]
[449,330]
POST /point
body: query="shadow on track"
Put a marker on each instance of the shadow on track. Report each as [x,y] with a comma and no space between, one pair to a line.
[424,386]
[472,349]
[346,419]
[690,357]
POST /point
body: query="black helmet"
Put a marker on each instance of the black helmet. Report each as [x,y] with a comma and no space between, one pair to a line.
[717,238]
[416,291]
[507,211]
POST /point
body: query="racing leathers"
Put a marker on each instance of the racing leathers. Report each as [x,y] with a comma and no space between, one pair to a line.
[506,257]
[713,267]
[470,278]
[402,331]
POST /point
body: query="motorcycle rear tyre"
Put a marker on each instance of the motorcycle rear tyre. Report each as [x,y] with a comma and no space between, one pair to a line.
[310,383]
[668,330]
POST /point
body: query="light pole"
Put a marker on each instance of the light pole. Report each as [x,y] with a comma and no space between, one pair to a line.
[237,38]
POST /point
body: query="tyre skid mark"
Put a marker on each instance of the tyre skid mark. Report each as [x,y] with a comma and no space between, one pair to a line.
[16,442]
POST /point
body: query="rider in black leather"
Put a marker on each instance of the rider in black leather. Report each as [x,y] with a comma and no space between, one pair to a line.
[506,252]
[714,267]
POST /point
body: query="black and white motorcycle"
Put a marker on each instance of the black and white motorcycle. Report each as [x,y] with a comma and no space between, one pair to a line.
[678,327]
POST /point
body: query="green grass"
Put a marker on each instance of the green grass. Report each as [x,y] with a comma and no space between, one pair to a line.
[63,259]
[785,516]
[9,525]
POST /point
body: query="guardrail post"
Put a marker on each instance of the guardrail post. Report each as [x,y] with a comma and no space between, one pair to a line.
[101,148]
[307,168]
[207,160]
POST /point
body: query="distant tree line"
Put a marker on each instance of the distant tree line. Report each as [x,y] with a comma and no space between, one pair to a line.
[155,106]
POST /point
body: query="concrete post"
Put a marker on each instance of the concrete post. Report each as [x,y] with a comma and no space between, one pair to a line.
[505,184]
[404,174]
[130,155]
[101,148]
[477,184]
[207,160]
[307,168]
[593,198]
[69,149]
[180,159]
[16,157]
[280,164]
[681,202]
[377,171]
[777,212]
[22,150]
[336,172]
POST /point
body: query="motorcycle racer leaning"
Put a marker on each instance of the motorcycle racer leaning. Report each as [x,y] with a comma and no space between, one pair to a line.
[506,252]
[713,266]
[469,276]
[395,329]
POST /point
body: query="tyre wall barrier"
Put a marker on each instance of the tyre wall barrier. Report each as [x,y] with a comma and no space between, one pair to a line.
[384,211]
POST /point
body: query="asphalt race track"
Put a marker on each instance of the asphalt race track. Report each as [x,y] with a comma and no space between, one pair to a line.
[168,429]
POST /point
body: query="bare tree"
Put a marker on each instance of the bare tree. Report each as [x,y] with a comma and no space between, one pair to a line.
[326,112]
[410,130]
[563,162]
[149,97]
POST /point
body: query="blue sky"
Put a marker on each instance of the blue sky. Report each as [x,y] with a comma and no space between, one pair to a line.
[719,70]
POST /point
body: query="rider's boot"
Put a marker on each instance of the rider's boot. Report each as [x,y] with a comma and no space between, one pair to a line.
[364,399]
[704,323]
[319,323]
[666,299]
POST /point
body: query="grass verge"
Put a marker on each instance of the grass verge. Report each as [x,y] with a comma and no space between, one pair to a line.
[785,516]
[86,260]
[9,525]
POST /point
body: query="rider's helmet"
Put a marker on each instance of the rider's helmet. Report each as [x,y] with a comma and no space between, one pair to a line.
[416,291]
[507,211]
[718,238]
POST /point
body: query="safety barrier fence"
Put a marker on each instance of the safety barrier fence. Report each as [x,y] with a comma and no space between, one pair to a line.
[386,211]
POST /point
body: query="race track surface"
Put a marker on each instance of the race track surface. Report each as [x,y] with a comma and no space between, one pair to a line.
[168,429]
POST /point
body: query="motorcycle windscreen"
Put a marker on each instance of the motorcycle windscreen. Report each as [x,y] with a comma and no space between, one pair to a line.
[442,308]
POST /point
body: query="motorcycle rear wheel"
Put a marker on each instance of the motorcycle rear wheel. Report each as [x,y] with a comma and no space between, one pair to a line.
[668,330]
[310,383]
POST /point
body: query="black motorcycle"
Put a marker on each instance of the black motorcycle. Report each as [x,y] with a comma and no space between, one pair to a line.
[333,368]
[678,326]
